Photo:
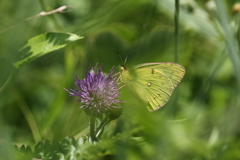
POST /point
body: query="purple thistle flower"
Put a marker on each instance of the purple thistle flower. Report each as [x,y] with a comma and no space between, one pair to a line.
[97,92]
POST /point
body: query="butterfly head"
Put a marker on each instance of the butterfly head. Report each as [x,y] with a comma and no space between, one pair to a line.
[123,68]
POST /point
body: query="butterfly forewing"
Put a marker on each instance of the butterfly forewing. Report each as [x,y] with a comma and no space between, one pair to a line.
[173,71]
[154,82]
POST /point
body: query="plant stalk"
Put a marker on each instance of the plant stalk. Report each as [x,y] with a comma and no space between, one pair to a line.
[92,127]
[176,26]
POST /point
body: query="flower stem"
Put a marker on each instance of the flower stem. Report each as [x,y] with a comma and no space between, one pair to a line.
[92,127]
[100,127]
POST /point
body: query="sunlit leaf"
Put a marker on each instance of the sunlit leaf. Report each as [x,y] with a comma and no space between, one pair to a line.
[43,44]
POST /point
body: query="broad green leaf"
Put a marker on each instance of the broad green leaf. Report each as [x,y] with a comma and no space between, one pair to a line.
[43,44]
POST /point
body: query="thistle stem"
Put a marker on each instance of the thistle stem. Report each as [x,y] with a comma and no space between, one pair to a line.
[101,125]
[92,127]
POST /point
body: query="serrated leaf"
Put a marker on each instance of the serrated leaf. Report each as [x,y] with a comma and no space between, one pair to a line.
[22,149]
[61,156]
[56,146]
[43,44]
[67,144]
[28,149]
[39,149]
[16,147]
[47,147]
[80,141]
[69,147]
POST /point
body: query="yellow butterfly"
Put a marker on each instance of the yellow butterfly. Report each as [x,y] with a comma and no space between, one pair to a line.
[153,82]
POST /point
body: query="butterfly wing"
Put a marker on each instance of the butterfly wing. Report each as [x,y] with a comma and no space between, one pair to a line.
[154,82]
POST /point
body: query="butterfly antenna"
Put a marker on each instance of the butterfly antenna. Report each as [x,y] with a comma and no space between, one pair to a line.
[125,60]
[126,57]
[121,58]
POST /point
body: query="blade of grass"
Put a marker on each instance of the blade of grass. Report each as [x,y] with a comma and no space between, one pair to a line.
[176,30]
[214,69]
[231,41]
[28,115]
[176,25]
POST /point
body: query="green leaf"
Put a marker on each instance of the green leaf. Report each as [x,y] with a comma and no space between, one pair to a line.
[68,144]
[43,44]
[28,149]
[39,150]
[22,148]
[56,145]
[47,146]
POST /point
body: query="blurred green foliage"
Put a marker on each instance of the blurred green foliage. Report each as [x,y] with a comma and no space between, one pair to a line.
[201,120]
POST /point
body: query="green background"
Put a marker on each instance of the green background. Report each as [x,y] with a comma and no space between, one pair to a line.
[201,120]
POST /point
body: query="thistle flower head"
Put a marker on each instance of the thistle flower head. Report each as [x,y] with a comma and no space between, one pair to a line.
[97,92]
